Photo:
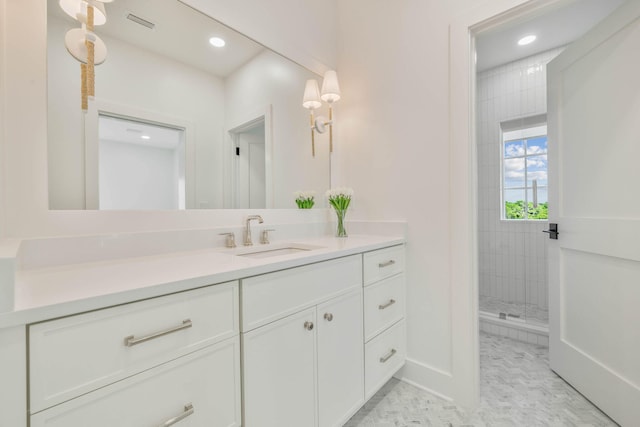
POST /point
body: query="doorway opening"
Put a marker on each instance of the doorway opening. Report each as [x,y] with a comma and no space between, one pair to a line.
[141,165]
[510,102]
[249,165]
[511,146]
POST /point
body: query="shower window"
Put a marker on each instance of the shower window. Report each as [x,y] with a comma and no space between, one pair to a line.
[524,173]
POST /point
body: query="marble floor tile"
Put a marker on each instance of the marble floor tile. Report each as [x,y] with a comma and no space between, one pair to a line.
[517,389]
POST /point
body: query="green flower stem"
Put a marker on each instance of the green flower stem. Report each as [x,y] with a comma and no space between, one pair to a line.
[340,204]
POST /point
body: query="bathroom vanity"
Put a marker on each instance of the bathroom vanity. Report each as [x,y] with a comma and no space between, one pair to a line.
[276,335]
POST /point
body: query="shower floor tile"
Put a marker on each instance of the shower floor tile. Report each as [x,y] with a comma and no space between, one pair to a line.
[527,312]
[517,389]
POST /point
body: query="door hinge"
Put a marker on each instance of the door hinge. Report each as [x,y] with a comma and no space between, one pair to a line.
[237,151]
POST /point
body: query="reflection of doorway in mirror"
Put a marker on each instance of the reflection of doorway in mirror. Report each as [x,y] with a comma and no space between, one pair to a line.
[141,165]
[249,142]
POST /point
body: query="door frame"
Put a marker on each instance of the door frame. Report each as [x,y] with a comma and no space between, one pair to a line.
[463,202]
[230,165]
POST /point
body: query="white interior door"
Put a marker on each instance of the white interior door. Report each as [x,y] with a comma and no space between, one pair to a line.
[594,266]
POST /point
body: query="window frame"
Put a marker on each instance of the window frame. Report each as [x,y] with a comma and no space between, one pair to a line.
[522,133]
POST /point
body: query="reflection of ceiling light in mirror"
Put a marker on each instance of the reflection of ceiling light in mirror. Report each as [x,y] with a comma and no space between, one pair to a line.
[145,137]
[526,40]
[217,41]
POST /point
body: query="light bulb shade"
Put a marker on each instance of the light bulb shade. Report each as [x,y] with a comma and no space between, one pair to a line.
[74,41]
[311,99]
[76,8]
[330,87]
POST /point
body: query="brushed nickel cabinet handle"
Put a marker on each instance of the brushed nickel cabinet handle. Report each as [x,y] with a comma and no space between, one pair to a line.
[389,304]
[328,317]
[188,410]
[131,340]
[386,263]
[308,326]
[384,359]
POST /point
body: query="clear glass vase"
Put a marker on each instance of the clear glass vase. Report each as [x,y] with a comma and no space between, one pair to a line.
[341,231]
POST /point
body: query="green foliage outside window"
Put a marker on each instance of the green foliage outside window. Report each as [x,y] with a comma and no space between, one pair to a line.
[515,210]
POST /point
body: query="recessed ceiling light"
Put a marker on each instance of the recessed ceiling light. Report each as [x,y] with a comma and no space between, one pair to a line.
[217,41]
[145,137]
[526,40]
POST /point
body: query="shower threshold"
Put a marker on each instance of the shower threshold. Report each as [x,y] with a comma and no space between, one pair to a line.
[504,316]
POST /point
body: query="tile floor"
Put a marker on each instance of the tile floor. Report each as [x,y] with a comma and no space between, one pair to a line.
[517,389]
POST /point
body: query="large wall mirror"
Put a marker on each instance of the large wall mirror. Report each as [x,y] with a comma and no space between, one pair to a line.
[177,123]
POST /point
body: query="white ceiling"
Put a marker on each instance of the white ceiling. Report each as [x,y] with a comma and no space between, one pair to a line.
[553,27]
[180,33]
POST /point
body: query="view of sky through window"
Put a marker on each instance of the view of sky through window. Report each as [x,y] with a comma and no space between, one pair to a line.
[524,174]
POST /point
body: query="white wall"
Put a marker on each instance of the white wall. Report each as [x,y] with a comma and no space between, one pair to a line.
[513,254]
[270,80]
[395,151]
[405,150]
[134,176]
[3,95]
[137,79]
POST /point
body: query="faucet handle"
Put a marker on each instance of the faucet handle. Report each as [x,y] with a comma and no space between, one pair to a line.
[231,239]
[264,236]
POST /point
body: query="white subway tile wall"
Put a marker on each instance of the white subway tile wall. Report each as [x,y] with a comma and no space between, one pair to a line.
[513,254]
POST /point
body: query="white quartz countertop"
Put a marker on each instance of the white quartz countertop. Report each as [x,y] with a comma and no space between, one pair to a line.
[47,293]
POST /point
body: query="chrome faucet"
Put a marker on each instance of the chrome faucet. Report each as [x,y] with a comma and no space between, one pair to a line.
[247,230]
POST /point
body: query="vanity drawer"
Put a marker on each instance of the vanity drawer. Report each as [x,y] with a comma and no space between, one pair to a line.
[77,354]
[384,303]
[384,355]
[207,379]
[272,296]
[383,263]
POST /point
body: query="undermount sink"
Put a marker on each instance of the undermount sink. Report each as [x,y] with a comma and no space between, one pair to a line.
[277,250]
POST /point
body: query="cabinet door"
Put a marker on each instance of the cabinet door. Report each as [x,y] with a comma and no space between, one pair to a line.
[340,359]
[280,373]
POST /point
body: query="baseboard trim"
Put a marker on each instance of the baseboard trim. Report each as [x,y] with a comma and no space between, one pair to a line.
[427,378]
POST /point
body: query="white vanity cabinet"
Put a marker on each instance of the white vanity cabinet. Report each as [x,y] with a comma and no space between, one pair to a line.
[302,345]
[142,363]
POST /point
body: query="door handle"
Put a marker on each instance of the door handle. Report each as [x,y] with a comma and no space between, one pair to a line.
[552,231]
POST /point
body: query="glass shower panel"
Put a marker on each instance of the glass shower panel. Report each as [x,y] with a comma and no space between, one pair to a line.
[536,309]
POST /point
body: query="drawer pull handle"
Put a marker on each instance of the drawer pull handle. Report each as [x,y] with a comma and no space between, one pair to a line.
[131,340]
[386,263]
[387,305]
[328,317]
[188,410]
[384,359]
[308,326]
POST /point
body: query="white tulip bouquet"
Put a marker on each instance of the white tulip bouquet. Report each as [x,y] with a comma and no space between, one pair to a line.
[340,198]
[305,199]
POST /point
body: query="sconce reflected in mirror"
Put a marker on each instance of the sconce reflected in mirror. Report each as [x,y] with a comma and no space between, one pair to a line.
[83,44]
[312,100]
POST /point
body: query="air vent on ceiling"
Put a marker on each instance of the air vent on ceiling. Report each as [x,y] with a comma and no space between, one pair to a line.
[138,20]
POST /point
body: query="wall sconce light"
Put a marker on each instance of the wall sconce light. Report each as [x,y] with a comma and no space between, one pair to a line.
[312,100]
[83,44]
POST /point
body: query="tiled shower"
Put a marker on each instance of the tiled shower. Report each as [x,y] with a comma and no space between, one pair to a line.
[512,253]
